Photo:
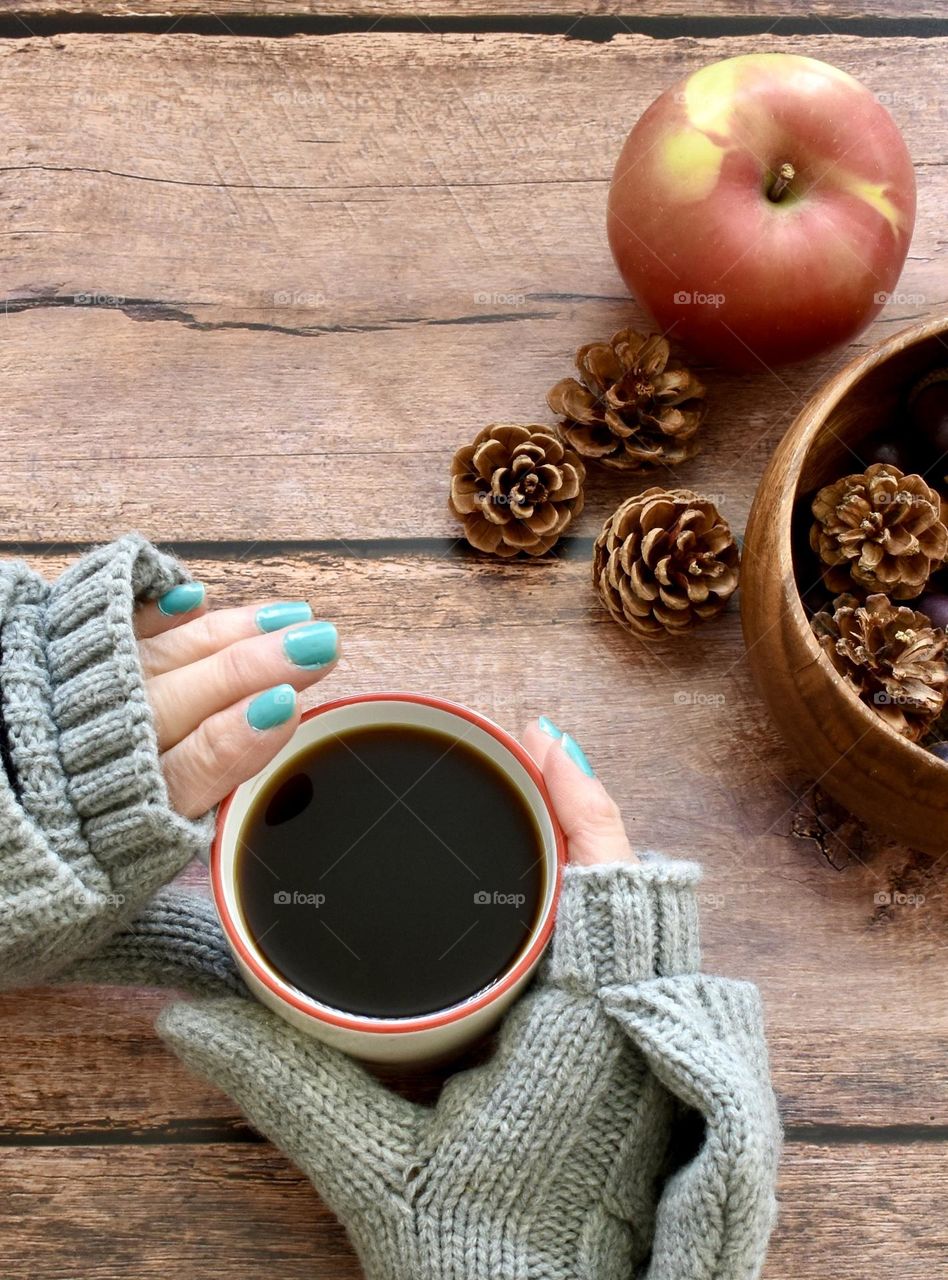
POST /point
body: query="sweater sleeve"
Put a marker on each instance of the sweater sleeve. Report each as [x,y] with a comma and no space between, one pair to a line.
[622,922]
[630,934]
[87,833]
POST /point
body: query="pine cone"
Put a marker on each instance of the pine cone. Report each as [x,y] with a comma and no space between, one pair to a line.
[516,489]
[664,561]
[891,655]
[881,530]
[634,409]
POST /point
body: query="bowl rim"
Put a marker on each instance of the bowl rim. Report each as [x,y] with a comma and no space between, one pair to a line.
[799,439]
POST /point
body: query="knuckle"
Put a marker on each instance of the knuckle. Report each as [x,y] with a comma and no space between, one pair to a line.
[213,754]
[217,747]
[240,666]
[204,633]
[602,810]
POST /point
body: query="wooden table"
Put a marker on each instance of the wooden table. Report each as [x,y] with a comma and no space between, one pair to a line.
[266,264]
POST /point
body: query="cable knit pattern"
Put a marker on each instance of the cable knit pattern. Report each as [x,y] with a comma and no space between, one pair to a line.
[86,830]
[558,1159]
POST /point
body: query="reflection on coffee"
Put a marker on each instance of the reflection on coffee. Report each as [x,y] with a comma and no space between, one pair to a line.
[390,871]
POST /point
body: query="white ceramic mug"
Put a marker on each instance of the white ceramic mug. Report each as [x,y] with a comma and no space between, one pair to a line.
[433,1035]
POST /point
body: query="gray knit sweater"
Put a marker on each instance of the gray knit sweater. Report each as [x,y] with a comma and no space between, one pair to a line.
[625,1124]
[86,831]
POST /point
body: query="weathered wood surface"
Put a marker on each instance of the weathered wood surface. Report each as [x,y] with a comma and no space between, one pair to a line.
[423,10]
[312,266]
[242,1211]
[852,975]
[308,269]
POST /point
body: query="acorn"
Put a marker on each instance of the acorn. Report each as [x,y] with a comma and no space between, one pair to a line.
[928,411]
[891,452]
[934,605]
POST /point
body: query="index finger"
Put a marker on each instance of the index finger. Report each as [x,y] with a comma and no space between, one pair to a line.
[185,601]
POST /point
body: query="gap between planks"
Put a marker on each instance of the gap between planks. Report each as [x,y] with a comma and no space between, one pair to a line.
[205,18]
[186,1131]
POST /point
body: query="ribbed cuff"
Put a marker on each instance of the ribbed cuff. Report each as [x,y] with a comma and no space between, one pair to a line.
[107,741]
[175,942]
[623,922]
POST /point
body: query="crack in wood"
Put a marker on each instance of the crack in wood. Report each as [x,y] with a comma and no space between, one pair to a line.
[568,548]
[152,309]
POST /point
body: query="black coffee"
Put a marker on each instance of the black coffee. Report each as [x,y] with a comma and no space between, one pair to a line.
[390,872]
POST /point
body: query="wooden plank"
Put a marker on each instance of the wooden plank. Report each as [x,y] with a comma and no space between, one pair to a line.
[313,267]
[852,972]
[243,1211]
[84,1065]
[423,10]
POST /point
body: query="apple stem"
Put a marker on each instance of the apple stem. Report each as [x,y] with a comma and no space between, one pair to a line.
[785,175]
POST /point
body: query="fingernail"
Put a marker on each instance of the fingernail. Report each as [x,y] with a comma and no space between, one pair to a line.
[274,617]
[576,754]
[549,728]
[273,708]
[312,645]
[182,599]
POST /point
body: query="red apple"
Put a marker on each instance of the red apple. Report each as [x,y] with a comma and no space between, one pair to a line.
[762,208]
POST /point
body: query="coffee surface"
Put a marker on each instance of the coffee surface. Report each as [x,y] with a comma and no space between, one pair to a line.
[390,871]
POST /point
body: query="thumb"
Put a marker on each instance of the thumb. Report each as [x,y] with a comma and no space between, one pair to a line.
[590,818]
[351,1137]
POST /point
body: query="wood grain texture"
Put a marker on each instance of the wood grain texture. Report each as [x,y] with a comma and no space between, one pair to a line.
[313,267]
[256,291]
[89,1068]
[236,1213]
[422,10]
[852,976]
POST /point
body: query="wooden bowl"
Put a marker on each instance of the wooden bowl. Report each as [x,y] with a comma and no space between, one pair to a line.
[892,784]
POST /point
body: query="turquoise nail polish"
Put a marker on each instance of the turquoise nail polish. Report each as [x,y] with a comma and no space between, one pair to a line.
[182,599]
[273,708]
[311,645]
[549,728]
[274,617]
[576,754]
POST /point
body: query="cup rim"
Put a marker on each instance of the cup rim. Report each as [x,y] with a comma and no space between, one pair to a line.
[442,1017]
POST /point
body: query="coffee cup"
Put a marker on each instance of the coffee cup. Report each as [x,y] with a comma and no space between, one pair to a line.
[435,1033]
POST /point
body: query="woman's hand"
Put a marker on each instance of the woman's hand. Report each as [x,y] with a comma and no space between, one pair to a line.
[590,818]
[223,687]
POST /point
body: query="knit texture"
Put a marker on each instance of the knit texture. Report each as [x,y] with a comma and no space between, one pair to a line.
[570,1154]
[174,942]
[86,830]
